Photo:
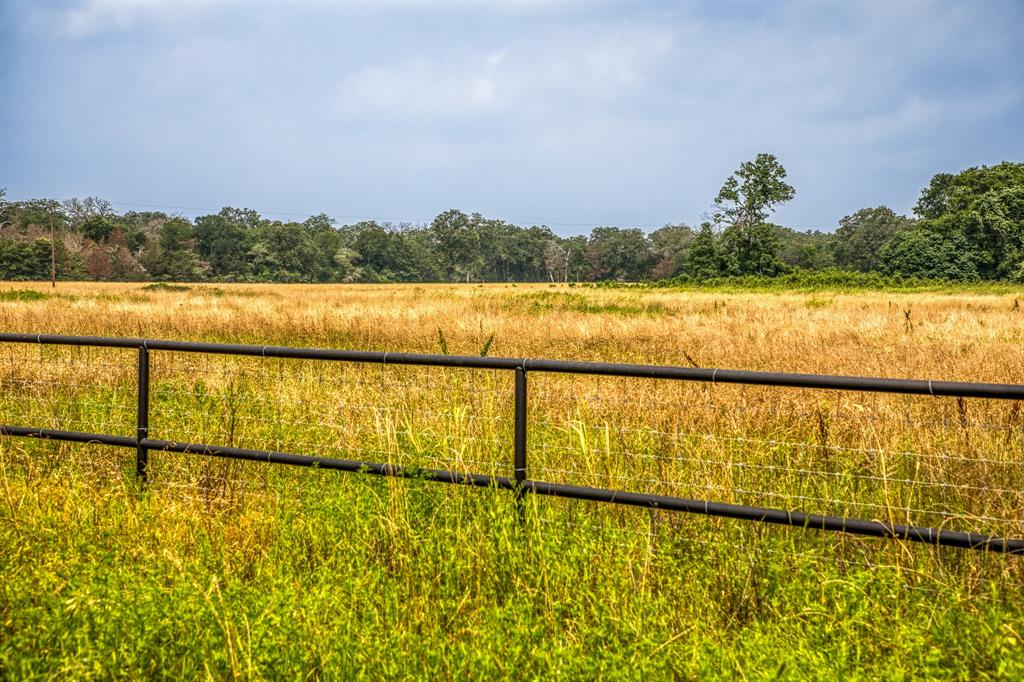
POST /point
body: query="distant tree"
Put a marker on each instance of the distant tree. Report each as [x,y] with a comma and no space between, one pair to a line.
[320,222]
[746,199]
[946,193]
[750,195]
[457,244]
[224,243]
[703,259]
[619,254]
[382,254]
[283,252]
[861,236]
[173,256]
[810,250]
[246,217]
[670,244]
[973,222]
[421,247]
[78,211]
[97,228]
[926,253]
[751,250]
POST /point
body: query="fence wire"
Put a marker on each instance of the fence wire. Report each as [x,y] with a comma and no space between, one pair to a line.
[940,462]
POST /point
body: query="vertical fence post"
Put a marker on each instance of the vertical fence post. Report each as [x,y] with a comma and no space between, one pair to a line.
[519,465]
[142,420]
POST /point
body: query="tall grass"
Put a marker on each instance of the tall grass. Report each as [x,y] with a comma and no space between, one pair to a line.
[246,570]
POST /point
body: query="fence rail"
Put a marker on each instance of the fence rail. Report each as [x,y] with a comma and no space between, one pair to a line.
[520,483]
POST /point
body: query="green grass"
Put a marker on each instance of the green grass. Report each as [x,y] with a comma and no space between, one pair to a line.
[247,570]
[21,295]
[559,302]
[826,280]
[341,576]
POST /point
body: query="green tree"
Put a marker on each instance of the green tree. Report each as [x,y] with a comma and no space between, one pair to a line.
[946,193]
[751,250]
[704,259]
[619,254]
[457,245]
[810,250]
[981,210]
[224,242]
[283,252]
[746,199]
[861,236]
[173,255]
[751,194]
[926,253]
[382,254]
[97,228]
[670,244]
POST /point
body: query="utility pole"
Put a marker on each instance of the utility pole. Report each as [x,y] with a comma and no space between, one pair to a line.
[53,257]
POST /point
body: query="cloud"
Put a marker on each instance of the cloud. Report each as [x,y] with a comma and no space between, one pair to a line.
[92,18]
[586,67]
[555,112]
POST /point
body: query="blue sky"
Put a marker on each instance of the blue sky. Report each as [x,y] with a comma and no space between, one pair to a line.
[568,114]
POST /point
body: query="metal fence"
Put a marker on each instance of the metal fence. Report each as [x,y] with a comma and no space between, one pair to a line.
[520,483]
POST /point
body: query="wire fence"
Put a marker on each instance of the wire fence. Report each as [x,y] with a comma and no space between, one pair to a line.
[925,461]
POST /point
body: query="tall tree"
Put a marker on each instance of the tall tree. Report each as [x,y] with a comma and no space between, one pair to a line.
[975,217]
[457,244]
[751,194]
[751,250]
[861,236]
[224,242]
[743,204]
[704,260]
[620,254]
[670,244]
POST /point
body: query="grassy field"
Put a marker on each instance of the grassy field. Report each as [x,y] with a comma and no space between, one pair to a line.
[237,570]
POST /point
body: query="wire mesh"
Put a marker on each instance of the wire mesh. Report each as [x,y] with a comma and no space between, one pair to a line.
[939,462]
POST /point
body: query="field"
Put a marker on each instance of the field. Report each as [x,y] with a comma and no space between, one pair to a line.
[226,569]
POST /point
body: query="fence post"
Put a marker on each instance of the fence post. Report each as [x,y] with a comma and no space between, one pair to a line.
[519,465]
[142,420]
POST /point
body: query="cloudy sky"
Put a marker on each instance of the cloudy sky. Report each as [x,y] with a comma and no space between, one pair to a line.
[567,114]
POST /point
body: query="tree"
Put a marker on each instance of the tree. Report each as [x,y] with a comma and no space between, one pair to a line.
[747,198]
[927,253]
[751,250]
[810,250]
[457,244]
[861,236]
[382,255]
[703,260]
[947,193]
[224,242]
[750,195]
[282,252]
[670,244]
[97,228]
[173,255]
[619,254]
[982,210]
[80,210]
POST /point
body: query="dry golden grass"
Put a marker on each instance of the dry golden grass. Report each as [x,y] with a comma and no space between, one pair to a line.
[920,460]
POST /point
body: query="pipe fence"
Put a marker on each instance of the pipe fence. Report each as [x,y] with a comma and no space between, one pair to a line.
[624,444]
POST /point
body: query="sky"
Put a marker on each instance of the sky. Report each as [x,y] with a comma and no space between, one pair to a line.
[567,114]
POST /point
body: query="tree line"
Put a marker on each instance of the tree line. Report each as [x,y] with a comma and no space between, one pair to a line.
[968,226]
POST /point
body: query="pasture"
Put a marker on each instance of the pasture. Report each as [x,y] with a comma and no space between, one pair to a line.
[229,569]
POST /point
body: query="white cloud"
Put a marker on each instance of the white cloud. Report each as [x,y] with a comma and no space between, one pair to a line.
[590,65]
[91,18]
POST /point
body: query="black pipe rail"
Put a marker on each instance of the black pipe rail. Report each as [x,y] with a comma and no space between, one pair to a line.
[519,483]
